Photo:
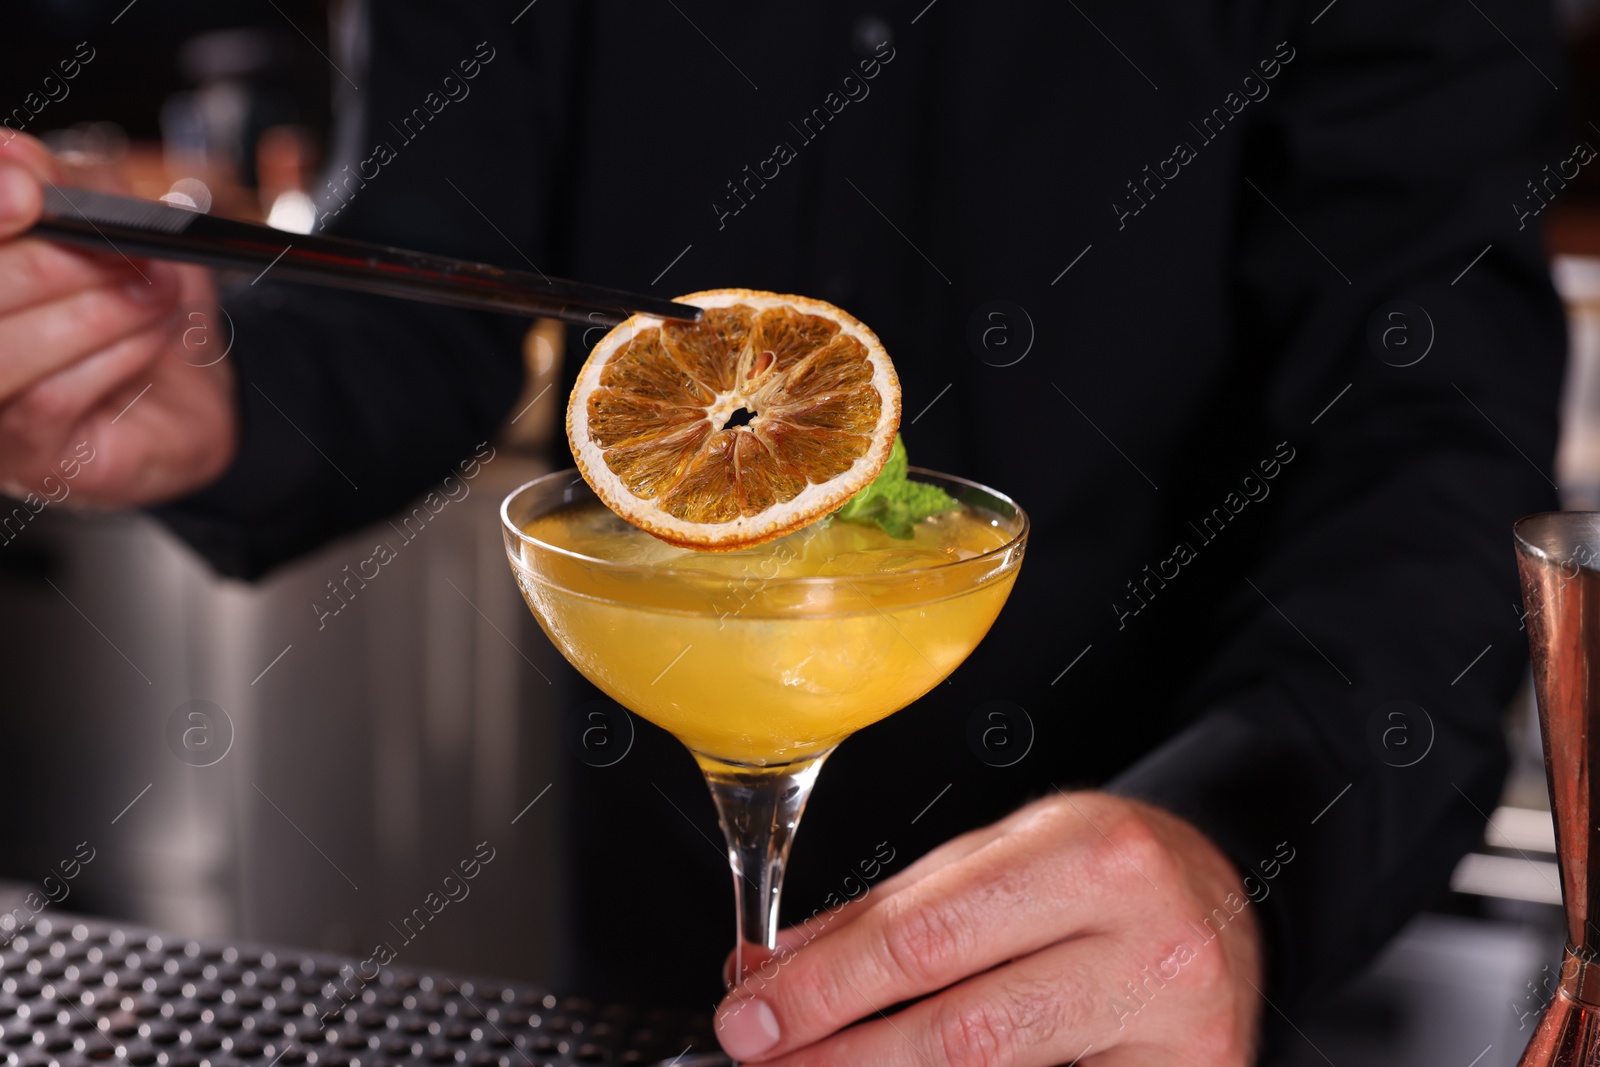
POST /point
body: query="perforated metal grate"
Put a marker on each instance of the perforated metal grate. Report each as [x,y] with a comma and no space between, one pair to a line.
[80,992]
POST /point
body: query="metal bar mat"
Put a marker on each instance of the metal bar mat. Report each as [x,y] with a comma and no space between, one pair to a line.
[81,992]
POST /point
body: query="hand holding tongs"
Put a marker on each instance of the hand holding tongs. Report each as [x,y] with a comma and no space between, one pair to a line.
[160,231]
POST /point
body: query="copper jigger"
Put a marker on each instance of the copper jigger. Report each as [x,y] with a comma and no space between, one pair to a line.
[1558,556]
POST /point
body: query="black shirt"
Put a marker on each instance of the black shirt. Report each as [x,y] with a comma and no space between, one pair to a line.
[1276,367]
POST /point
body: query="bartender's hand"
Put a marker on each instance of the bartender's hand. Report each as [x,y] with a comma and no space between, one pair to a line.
[82,334]
[1068,932]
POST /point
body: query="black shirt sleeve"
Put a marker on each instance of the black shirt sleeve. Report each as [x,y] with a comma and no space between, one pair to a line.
[1352,718]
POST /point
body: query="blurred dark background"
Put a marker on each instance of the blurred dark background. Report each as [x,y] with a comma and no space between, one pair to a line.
[344,789]
[205,80]
[154,57]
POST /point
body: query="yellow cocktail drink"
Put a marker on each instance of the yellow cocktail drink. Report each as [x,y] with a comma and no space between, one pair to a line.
[772,654]
[762,659]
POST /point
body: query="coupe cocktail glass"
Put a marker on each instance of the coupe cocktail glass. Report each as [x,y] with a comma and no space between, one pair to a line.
[762,660]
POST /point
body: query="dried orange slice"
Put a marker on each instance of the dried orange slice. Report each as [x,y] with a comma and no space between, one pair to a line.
[766,415]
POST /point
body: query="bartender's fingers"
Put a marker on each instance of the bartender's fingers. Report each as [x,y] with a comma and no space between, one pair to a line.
[1046,1009]
[35,427]
[35,271]
[46,339]
[830,920]
[20,199]
[954,850]
[25,165]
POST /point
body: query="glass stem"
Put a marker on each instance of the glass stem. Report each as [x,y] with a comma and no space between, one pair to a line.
[759,809]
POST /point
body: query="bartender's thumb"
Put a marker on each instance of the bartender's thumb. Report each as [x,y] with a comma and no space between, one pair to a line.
[25,165]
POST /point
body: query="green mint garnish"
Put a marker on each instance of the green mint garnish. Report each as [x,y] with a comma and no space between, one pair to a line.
[895,502]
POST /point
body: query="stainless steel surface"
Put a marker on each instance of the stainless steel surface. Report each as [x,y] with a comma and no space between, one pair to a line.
[145,228]
[1557,556]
